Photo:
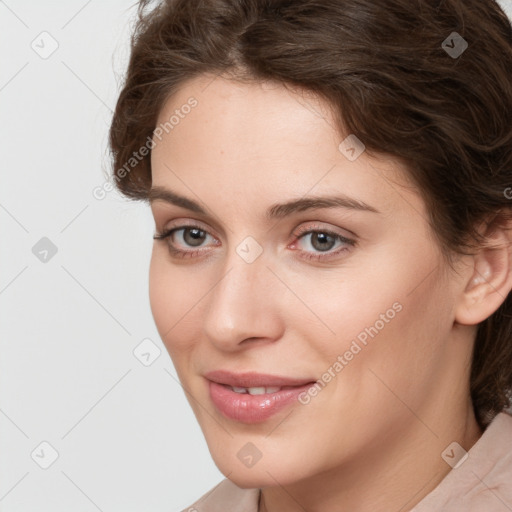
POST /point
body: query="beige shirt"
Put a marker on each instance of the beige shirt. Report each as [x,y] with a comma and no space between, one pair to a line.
[481,483]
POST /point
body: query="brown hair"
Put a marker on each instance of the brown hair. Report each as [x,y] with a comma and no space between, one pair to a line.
[394,74]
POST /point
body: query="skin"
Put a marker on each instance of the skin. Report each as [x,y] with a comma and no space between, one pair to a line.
[372,438]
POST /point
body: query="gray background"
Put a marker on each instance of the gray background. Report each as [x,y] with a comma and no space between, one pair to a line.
[117,431]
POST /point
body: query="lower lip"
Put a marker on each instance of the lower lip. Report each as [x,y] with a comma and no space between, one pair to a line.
[247,408]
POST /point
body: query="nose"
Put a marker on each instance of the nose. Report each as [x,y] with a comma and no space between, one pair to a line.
[243,308]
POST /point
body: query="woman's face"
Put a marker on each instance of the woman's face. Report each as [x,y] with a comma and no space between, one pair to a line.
[354,298]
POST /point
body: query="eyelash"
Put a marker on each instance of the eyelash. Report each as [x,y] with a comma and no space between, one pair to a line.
[301,232]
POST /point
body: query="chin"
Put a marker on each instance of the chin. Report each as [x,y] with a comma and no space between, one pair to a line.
[258,476]
[248,480]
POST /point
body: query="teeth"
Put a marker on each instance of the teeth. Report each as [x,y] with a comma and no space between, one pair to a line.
[256,391]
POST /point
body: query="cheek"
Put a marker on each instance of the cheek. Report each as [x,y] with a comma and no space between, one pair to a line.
[399,359]
[169,305]
[390,318]
[157,289]
[356,302]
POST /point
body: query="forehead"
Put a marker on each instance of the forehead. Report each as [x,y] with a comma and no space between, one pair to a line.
[269,113]
[266,139]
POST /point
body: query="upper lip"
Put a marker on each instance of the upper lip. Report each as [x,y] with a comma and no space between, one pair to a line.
[254,379]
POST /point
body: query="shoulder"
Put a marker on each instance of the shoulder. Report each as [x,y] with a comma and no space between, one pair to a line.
[482,483]
[226,496]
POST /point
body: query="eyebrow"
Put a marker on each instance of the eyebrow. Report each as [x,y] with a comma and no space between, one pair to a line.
[276,211]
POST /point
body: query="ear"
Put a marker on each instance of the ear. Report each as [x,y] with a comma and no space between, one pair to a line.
[490,275]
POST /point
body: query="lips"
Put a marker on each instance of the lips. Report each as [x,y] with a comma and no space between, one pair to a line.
[254,380]
[253,397]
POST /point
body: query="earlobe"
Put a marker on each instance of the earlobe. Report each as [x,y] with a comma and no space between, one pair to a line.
[490,281]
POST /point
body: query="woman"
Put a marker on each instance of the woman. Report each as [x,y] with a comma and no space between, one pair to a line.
[331,182]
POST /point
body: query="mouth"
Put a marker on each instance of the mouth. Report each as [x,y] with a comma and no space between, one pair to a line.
[253,397]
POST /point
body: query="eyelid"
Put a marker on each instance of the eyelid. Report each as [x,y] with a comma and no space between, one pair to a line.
[303,229]
[190,223]
[317,226]
[162,211]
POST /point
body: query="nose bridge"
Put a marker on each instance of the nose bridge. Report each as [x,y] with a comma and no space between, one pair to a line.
[241,304]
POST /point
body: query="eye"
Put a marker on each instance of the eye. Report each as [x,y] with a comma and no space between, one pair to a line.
[322,240]
[189,236]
